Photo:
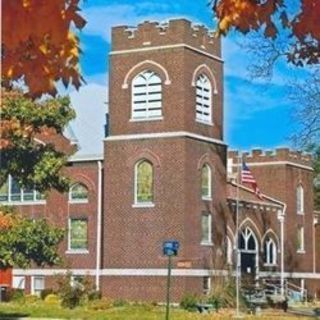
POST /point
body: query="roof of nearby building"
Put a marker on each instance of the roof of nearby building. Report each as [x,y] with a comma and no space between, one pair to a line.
[245,194]
[86,157]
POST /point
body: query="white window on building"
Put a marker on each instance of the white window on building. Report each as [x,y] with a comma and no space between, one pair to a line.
[300,239]
[37,285]
[206,229]
[206,178]
[78,193]
[18,282]
[78,235]
[146,96]
[203,99]
[229,251]
[300,199]
[11,192]
[143,184]
[270,250]
[206,285]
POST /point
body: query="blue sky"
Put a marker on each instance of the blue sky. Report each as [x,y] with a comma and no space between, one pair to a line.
[257,114]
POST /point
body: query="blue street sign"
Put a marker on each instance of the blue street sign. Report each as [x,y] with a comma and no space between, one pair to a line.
[170,248]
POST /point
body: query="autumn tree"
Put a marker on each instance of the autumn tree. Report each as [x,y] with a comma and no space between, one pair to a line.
[23,241]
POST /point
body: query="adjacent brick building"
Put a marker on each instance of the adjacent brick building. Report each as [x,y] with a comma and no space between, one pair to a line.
[166,174]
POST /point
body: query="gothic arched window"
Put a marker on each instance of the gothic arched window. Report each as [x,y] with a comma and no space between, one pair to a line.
[146,96]
[300,199]
[78,193]
[270,250]
[206,182]
[143,182]
[203,99]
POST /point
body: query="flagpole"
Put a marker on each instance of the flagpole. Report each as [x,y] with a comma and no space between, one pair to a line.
[237,240]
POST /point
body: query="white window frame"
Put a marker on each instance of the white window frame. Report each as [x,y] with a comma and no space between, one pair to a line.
[207,242]
[202,104]
[209,195]
[147,114]
[136,203]
[270,244]
[206,285]
[300,199]
[71,200]
[35,291]
[301,249]
[19,282]
[33,201]
[72,250]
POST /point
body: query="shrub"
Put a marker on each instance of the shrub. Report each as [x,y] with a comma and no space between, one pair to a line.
[52,299]
[102,304]
[44,293]
[94,295]
[13,294]
[189,302]
[120,303]
[31,298]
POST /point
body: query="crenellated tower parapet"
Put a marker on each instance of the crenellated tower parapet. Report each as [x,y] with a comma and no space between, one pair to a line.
[174,32]
[279,154]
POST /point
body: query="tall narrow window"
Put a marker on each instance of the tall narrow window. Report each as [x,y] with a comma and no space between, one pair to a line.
[300,199]
[300,239]
[37,285]
[146,96]
[78,234]
[270,250]
[144,182]
[78,193]
[206,182]
[206,229]
[203,99]
[206,285]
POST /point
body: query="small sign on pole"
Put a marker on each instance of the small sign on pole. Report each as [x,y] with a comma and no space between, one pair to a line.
[170,249]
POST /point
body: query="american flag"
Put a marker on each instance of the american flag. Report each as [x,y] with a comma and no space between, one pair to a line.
[247,177]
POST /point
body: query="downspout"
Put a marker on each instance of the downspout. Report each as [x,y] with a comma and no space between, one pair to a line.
[99,221]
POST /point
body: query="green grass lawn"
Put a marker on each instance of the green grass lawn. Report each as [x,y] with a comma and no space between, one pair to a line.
[140,312]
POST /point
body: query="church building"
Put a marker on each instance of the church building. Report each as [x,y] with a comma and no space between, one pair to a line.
[166,173]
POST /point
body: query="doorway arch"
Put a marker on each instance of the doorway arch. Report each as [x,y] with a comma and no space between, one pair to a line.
[249,251]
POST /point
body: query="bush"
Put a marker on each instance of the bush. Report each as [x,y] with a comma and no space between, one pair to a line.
[13,294]
[31,298]
[44,293]
[120,303]
[102,304]
[189,302]
[94,295]
[73,293]
[52,299]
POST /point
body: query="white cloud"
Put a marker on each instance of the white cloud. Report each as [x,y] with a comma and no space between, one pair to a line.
[90,105]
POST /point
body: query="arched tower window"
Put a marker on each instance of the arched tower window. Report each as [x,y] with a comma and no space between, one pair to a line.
[206,182]
[146,96]
[300,199]
[78,193]
[203,99]
[270,250]
[143,182]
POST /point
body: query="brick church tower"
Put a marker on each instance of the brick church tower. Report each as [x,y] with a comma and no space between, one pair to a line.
[164,160]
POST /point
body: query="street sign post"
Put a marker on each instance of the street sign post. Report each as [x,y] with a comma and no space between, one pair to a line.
[170,248]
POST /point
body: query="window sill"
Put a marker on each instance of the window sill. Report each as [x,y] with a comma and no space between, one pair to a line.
[299,213]
[78,201]
[146,119]
[301,251]
[23,203]
[207,243]
[143,205]
[270,265]
[206,198]
[70,251]
[205,122]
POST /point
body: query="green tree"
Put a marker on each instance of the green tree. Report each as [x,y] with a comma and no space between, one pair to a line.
[23,241]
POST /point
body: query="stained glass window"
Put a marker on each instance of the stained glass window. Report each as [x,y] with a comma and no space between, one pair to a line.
[78,192]
[78,234]
[144,182]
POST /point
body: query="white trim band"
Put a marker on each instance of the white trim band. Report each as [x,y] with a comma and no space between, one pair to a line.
[160,135]
[170,46]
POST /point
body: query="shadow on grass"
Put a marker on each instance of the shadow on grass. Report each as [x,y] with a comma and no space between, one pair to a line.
[12,315]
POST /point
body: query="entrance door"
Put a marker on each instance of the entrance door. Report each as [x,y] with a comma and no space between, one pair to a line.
[248,252]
